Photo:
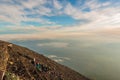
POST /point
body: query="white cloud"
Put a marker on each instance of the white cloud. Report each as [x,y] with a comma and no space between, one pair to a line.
[102,17]
[32,3]
[98,17]
[92,4]
[72,11]
[11,13]
[96,35]
[101,14]
[106,4]
[15,13]
[27,28]
[57,5]
[44,11]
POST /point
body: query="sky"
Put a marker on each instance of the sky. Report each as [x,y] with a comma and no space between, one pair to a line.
[51,19]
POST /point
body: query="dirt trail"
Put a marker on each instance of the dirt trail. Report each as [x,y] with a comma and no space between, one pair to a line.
[4,56]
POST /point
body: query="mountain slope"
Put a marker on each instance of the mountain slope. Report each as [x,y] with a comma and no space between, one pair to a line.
[20,63]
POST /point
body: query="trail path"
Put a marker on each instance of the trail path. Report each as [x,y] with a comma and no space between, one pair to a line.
[4,55]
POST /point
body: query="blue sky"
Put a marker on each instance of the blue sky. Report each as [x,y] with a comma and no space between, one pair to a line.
[58,18]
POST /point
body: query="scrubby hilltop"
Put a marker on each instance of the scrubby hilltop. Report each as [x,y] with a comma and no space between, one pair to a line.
[20,63]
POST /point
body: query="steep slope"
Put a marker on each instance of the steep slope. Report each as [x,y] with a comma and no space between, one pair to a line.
[20,63]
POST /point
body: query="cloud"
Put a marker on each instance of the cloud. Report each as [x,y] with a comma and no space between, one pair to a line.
[55,44]
[57,58]
[17,12]
[95,35]
[57,5]
[11,13]
[32,4]
[26,28]
[72,11]
[100,20]
[99,14]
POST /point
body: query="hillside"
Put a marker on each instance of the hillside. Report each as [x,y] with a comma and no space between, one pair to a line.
[20,63]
